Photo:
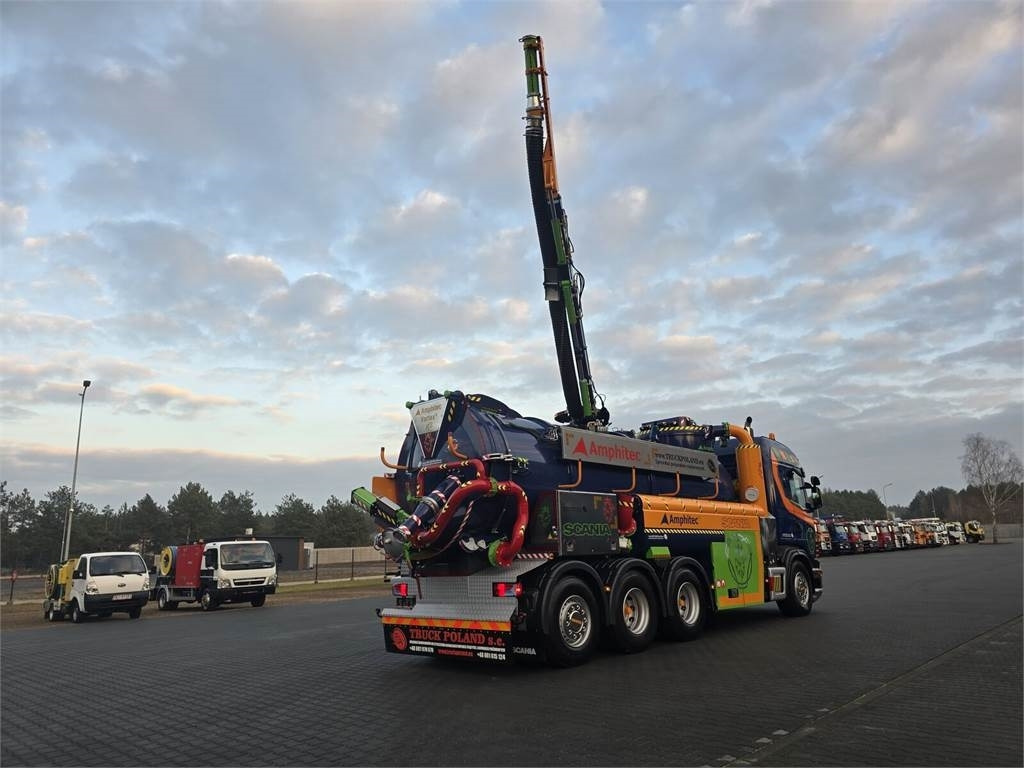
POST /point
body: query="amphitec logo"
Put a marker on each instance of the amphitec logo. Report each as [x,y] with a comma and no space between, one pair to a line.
[610,452]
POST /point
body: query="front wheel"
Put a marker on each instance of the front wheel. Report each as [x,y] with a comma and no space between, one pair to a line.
[258,601]
[687,605]
[634,614]
[798,600]
[134,613]
[572,622]
[207,601]
[77,617]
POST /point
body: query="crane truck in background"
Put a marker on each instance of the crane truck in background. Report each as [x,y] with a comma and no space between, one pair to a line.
[517,537]
[215,572]
[96,584]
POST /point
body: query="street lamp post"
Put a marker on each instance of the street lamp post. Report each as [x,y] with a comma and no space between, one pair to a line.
[74,477]
[886,503]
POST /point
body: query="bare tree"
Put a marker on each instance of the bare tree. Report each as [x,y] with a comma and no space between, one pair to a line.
[994,469]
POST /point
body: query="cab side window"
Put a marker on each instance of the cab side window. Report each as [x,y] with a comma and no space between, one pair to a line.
[83,564]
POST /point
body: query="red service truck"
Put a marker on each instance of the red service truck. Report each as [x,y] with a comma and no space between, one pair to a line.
[215,572]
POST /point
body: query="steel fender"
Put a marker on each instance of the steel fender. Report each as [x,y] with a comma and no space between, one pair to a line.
[560,569]
[695,566]
[613,572]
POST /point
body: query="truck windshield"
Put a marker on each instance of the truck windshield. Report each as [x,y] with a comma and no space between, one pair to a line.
[793,484]
[110,565]
[246,554]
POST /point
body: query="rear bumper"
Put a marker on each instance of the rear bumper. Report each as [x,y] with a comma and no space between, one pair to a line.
[448,638]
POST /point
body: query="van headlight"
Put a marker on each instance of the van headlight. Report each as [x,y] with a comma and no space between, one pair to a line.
[223,583]
[145,584]
[272,581]
[92,588]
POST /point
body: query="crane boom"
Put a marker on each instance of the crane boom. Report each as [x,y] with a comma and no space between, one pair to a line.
[563,283]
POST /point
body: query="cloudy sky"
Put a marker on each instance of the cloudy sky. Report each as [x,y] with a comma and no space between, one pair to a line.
[261,228]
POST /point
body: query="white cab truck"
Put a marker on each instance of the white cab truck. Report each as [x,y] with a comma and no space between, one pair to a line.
[216,572]
[96,584]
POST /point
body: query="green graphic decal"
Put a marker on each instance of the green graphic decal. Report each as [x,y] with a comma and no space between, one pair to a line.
[734,563]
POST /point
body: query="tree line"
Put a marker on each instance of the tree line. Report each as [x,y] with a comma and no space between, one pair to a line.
[31,532]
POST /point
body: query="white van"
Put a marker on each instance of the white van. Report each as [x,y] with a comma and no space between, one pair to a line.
[102,583]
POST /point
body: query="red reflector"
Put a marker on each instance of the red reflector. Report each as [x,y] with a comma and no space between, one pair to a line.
[506,589]
[400,590]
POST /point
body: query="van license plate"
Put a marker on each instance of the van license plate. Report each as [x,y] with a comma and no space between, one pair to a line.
[126,596]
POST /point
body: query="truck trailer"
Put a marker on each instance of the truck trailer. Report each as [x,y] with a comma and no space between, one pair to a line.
[522,538]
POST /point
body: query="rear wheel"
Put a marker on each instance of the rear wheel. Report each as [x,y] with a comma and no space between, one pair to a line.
[162,603]
[51,612]
[634,614]
[687,605]
[797,601]
[572,621]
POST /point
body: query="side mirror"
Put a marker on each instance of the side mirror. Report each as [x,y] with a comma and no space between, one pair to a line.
[280,558]
[815,481]
[78,574]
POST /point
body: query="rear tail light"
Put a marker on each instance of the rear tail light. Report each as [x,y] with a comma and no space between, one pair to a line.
[506,589]
[401,589]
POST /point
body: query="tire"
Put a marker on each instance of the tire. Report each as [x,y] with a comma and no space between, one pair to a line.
[573,623]
[799,595]
[134,613]
[77,617]
[207,601]
[50,612]
[258,601]
[688,609]
[162,603]
[634,614]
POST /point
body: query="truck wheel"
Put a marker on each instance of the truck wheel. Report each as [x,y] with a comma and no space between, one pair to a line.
[634,614]
[687,605]
[258,601]
[572,619]
[134,613]
[77,617]
[797,601]
[161,600]
[50,612]
[207,601]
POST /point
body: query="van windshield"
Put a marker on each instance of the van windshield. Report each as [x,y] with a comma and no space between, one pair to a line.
[109,565]
[248,554]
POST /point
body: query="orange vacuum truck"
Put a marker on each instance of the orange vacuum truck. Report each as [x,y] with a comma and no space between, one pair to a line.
[522,538]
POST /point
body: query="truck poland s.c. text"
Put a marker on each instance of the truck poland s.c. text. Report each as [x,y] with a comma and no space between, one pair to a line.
[522,538]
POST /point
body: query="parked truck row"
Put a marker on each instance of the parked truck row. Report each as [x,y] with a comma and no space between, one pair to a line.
[838,536]
[208,573]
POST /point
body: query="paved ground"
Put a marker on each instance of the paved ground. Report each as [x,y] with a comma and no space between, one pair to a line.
[910,659]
